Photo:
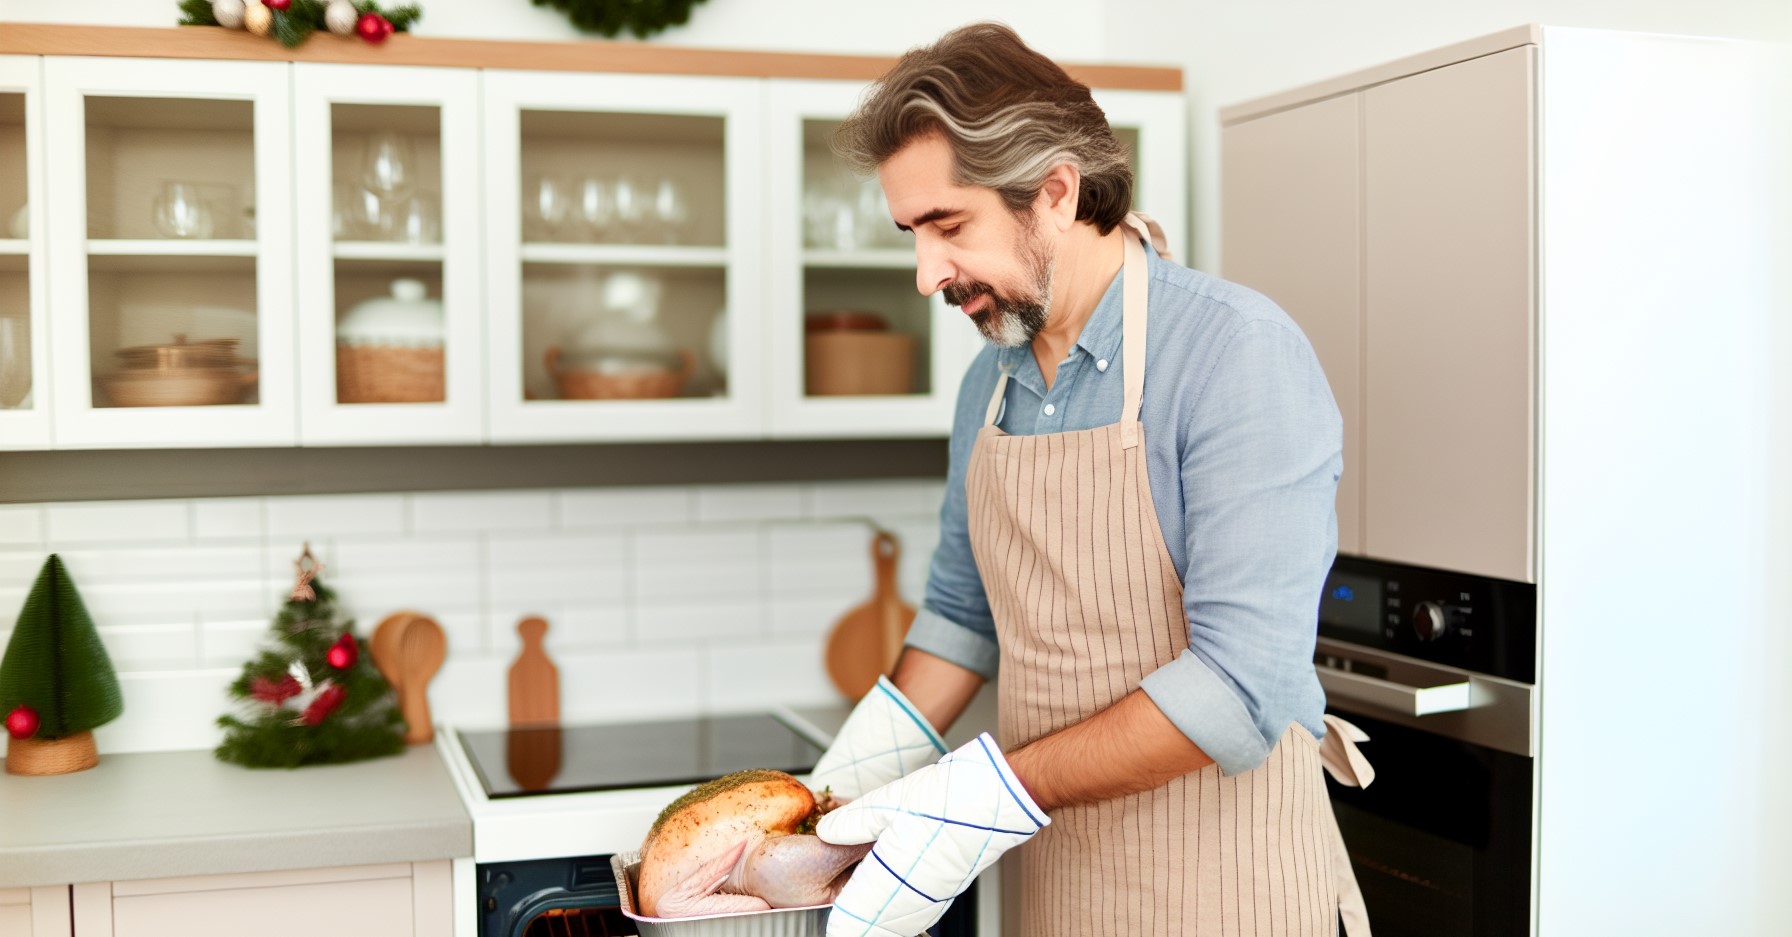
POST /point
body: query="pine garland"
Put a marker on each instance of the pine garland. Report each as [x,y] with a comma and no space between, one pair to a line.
[295,24]
[274,733]
[610,17]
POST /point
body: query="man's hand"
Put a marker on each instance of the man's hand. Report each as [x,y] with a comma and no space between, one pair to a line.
[934,831]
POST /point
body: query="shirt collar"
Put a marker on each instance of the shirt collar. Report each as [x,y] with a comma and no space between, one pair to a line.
[1101,334]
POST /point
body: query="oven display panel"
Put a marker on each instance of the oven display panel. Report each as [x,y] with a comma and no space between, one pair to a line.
[1353,602]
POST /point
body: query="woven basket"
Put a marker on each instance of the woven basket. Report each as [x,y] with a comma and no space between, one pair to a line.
[644,384]
[38,757]
[389,374]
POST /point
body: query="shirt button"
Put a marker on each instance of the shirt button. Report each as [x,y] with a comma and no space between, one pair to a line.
[1049,409]
[1101,365]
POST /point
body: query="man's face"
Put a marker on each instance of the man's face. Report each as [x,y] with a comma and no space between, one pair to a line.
[991,263]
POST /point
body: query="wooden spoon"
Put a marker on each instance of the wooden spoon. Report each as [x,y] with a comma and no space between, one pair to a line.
[867,640]
[422,648]
[385,644]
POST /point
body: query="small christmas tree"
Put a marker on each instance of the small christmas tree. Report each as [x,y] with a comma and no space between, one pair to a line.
[56,681]
[313,697]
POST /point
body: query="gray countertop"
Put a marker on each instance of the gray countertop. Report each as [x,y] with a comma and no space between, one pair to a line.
[163,814]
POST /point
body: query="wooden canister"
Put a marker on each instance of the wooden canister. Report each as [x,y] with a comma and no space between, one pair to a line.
[858,363]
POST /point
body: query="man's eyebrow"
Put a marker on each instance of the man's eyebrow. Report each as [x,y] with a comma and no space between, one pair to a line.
[927,216]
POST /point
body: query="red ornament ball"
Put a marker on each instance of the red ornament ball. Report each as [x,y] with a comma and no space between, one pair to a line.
[373,27]
[325,704]
[22,722]
[277,4]
[342,654]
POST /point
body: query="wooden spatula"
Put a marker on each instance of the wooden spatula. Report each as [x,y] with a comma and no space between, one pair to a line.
[385,644]
[534,680]
[867,640]
[421,649]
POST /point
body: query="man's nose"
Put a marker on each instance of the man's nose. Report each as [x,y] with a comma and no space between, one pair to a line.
[933,272]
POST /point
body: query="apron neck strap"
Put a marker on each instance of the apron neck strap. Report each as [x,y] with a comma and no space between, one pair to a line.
[1135,276]
[995,400]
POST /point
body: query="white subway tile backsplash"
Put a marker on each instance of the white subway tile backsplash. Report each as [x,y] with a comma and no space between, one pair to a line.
[172,646]
[687,623]
[294,518]
[810,617]
[116,522]
[165,563]
[620,507]
[481,511]
[877,499]
[228,519]
[661,601]
[748,502]
[754,676]
[21,525]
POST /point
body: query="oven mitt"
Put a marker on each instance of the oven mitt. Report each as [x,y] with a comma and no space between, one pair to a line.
[933,832]
[884,739]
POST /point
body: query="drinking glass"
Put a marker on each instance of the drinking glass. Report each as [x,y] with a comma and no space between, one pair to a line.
[670,210]
[631,203]
[595,207]
[547,206]
[419,220]
[386,166]
[15,361]
[180,211]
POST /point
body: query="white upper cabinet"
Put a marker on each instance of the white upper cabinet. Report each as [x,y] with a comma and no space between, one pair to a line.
[24,332]
[856,349]
[1151,125]
[390,284]
[170,252]
[624,257]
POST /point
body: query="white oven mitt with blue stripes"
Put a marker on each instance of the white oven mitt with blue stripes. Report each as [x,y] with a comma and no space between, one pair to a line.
[884,739]
[934,831]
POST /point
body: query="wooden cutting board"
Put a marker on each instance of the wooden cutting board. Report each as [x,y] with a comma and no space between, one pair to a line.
[867,640]
[534,680]
[421,649]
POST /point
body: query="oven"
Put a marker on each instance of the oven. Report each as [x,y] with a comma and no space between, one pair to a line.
[551,805]
[1439,669]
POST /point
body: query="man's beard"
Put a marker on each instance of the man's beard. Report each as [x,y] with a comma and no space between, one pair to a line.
[1012,321]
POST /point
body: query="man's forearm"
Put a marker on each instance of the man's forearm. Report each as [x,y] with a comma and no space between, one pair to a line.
[1128,747]
[939,688]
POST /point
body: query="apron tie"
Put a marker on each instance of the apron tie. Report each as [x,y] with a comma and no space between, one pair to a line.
[1346,764]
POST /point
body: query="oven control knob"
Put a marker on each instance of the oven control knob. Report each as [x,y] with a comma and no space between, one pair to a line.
[1429,622]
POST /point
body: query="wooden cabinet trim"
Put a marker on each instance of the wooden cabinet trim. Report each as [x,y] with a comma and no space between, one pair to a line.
[578,56]
[195,883]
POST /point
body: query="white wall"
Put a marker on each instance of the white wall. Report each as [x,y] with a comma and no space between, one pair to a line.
[1071,29]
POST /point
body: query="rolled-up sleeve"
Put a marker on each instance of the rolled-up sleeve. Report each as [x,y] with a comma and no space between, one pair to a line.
[1259,471]
[954,621]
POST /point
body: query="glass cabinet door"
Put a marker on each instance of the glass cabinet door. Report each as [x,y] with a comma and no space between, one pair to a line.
[856,349]
[171,252]
[390,301]
[623,257]
[24,398]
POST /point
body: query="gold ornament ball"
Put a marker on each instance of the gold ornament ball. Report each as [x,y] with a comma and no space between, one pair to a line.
[340,17]
[228,13]
[257,18]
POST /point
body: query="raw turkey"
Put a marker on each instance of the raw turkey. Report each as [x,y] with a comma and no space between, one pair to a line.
[740,843]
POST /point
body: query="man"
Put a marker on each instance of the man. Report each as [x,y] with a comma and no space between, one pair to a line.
[1138,522]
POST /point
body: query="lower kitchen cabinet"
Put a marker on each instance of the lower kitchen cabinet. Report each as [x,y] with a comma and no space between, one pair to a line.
[35,912]
[350,901]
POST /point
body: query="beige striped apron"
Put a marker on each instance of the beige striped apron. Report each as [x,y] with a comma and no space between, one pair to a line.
[1087,602]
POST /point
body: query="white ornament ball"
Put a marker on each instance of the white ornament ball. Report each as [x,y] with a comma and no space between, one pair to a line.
[258,18]
[340,16]
[228,13]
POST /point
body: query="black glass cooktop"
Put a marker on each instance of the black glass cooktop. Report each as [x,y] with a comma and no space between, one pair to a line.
[568,759]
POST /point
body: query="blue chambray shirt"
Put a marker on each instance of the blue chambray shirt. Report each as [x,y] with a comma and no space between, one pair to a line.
[1243,445]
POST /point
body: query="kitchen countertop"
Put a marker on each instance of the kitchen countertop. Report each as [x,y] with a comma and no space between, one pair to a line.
[163,814]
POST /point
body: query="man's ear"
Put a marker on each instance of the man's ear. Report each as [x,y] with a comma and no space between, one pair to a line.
[1058,196]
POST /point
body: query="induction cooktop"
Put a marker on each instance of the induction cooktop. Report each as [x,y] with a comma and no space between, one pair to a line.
[525,762]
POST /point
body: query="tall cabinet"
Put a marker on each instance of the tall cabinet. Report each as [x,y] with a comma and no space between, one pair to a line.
[1545,272]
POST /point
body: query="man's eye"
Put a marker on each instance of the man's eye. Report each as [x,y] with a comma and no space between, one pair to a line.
[951,231]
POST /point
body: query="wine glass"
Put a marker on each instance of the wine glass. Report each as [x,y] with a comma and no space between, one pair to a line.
[595,207]
[670,210]
[631,203]
[15,361]
[180,211]
[548,207]
[386,166]
[419,220]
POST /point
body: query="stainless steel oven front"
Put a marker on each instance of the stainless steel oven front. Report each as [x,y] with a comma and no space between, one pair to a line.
[1439,668]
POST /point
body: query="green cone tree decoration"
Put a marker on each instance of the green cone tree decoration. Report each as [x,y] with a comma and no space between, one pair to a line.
[312,696]
[56,680]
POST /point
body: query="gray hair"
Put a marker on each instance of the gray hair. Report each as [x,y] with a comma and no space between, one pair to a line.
[1009,114]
